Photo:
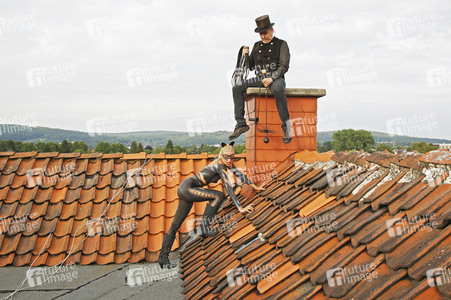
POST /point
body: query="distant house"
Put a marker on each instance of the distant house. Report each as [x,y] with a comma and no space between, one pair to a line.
[444,146]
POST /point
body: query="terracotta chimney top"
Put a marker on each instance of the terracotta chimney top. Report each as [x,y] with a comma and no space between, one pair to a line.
[263,157]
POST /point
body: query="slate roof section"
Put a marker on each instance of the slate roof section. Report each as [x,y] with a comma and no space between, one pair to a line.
[99,208]
[356,225]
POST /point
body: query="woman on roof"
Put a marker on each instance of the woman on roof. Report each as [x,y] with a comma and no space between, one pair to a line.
[191,190]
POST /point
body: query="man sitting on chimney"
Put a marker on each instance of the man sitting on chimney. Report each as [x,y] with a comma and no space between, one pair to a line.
[270,58]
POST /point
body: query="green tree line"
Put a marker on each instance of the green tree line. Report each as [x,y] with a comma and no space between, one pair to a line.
[355,140]
[105,147]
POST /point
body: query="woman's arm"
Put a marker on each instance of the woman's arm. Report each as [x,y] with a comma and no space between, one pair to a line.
[222,171]
[243,178]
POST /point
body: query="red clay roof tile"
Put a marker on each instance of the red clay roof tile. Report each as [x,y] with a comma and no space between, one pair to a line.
[32,227]
[26,245]
[77,181]
[11,166]
[3,161]
[91,244]
[54,166]
[104,180]
[124,244]
[38,210]
[42,244]
[59,245]
[381,158]
[64,228]
[91,181]
[441,157]
[47,226]
[4,193]
[107,166]
[25,166]
[128,210]
[84,211]
[98,210]
[81,166]
[6,180]
[53,211]
[112,155]
[113,210]
[87,195]
[9,244]
[58,195]
[93,167]
[102,194]
[14,195]
[69,155]
[47,154]
[107,244]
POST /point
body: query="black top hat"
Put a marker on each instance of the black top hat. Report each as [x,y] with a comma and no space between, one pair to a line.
[263,23]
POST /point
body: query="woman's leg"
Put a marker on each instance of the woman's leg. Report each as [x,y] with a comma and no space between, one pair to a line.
[182,212]
[215,198]
[180,215]
[187,196]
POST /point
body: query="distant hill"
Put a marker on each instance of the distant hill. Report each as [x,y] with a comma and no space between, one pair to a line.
[150,138]
[159,138]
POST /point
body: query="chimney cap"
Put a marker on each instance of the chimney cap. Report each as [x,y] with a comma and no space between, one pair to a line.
[293,92]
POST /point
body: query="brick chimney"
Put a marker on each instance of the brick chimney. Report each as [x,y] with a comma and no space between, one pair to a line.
[263,157]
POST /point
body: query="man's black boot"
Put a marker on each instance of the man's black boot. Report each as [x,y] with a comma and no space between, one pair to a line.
[204,226]
[286,138]
[238,131]
[163,258]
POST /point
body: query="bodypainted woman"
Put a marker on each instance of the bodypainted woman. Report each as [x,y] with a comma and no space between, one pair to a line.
[192,190]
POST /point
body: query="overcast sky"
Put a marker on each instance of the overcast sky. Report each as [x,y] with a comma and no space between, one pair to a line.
[166,65]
